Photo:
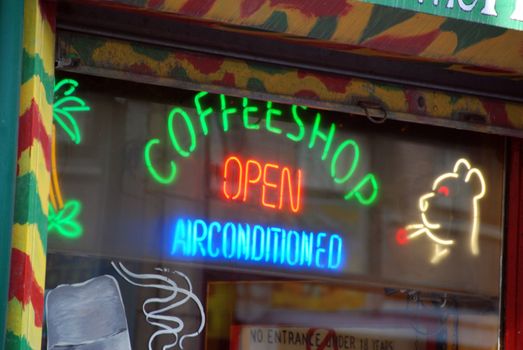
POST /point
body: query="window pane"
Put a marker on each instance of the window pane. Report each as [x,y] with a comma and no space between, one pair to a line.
[205,220]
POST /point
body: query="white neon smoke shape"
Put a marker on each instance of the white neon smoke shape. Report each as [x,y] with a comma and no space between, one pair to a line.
[441,246]
[157,318]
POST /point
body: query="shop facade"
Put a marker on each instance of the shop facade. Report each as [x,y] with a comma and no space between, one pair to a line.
[266,175]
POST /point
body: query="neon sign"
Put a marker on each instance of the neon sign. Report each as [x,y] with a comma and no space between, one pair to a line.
[364,190]
[64,106]
[276,182]
[256,244]
[62,217]
[444,187]
[64,221]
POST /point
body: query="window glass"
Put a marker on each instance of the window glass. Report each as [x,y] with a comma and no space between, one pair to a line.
[189,219]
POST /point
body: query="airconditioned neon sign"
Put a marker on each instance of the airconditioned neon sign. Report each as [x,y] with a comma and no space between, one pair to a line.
[256,244]
[363,190]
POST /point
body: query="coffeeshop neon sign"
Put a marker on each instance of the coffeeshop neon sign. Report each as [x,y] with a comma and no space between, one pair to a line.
[322,135]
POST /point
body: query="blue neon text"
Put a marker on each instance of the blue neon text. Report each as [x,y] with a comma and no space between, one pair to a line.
[241,242]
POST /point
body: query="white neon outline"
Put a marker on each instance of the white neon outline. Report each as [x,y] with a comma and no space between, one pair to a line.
[443,177]
[423,204]
[439,254]
[427,223]
[426,226]
[474,241]
[459,162]
[436,239]
[157,317]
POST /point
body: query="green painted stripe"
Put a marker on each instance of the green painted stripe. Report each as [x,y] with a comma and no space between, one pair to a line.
[324,28]
[269,69]
[277,22]
[383,18]
[14,342]
[34,65]
[11,27]
[469,34]
[256,85]
[154,53]
[28,208]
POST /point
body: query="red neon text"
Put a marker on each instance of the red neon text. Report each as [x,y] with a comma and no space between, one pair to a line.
[279,185]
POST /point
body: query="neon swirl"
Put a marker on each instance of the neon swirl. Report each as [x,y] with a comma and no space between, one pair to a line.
[161,318]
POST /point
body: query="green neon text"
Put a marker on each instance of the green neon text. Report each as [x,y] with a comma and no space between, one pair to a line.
[268,117]
[354,164]
[190,129]
[317,133]
[203,113]
[165,180]
[246,111]
[226,112]
[363,190]
[299,123]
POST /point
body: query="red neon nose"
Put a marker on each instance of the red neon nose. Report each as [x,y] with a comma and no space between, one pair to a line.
[402,236]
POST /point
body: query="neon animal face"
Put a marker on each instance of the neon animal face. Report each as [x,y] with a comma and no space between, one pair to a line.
[439,208]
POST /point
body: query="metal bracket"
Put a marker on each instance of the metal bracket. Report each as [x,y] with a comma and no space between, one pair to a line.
[374,112]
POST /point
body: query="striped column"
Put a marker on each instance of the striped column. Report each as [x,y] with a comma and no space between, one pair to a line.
[28,254]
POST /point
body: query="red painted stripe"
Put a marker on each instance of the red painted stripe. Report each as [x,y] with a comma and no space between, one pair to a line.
[412,45]
[23,285]
[307,94]
[249,7]
[203,64]
[227,80]
[316,8]
[156,4]
[32,128]
[497,112]
[513,289]
[48,10]
[333,83]
[197,7]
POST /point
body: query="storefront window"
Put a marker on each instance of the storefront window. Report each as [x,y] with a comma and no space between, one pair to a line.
[185,219]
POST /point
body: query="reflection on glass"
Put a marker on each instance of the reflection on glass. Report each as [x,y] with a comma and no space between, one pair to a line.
[218,222]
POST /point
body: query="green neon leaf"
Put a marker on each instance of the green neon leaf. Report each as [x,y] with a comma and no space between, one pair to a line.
[68,123]
[64,106]
[64,221]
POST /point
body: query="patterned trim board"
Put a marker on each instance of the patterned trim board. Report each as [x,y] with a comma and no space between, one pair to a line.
[493,50]
[26,286]
[118,59]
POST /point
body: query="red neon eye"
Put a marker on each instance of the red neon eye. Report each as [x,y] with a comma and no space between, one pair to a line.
[402,236]
[444,190]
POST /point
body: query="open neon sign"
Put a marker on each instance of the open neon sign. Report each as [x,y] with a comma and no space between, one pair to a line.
[276,182]
[364,190]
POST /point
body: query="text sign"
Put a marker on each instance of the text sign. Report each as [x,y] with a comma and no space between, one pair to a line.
[500,13]
[257,244]
[295,338]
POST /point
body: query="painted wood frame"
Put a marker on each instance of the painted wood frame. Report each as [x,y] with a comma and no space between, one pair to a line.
[184,69]
[434,39]
[513,278]
[356,26]
[28,254]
